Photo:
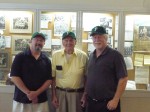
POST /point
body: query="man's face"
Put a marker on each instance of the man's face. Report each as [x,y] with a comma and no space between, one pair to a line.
[69,43]
[38,43]
[99,41]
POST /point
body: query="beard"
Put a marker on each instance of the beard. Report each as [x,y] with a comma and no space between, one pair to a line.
[38,48]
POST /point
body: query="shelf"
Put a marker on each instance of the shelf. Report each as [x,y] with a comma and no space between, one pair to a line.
[141,51]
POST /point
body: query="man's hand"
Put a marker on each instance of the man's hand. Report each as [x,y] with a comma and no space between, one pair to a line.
[112,104]
[32,95]
[55,102]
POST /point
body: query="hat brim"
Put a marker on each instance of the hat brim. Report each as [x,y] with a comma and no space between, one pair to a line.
[69,36]
[92,34]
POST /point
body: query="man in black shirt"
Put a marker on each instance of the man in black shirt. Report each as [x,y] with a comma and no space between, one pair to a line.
[106,75]
[32,75]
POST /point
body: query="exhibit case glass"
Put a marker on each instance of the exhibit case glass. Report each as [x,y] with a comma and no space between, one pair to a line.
[16,28]
[137,48]
[108,20]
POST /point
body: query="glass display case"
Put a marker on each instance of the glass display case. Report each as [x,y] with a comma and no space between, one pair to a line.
[54,24]
[16,28]
[136,48]
[108,20]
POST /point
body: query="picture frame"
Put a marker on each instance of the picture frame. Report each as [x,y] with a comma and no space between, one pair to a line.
[4,60]
[144,32]
[2,42]
[21,23]
[61,24]
[48,34]
[55,48]
[2,21]
[19,43]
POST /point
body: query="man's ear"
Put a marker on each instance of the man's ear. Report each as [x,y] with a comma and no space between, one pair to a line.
[75,42]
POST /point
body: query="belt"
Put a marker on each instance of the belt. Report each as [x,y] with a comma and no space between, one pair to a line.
[99,100]
[71,90]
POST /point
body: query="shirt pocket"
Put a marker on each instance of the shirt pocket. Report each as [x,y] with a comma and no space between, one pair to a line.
[59,74]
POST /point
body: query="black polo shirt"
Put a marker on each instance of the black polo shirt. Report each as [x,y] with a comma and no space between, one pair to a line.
[104,73]
[32,72]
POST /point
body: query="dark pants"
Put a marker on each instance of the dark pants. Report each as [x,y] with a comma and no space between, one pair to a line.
[100,106]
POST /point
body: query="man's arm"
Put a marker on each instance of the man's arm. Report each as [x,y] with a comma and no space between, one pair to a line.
[112,104]
[55,101]
[19,83]
[54,87]
[84,96]
[120,88]
[44,86]
[33,94]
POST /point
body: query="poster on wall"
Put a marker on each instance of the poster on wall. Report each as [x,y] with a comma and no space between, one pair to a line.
[4,60]
[48,34]
[2,22]
[141,33]
[56,45]
[20,43]
[73,20]
[142,75]
[8,41]
[21,23]
[2,42]
[144,32]
[61,24]
[97,20]
[107,23]
[45,19]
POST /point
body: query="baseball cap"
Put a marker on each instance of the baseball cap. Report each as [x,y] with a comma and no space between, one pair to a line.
[98,30]
[34,35]
[68,34]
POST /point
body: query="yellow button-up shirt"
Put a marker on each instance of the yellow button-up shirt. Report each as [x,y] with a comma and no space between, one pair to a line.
[69,73]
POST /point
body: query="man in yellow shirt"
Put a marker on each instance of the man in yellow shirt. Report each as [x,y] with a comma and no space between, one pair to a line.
[68,66]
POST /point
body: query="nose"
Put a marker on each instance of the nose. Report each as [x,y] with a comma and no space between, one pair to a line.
[68,42]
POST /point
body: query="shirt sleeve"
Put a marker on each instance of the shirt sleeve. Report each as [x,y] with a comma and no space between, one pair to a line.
[53,65]
[16,65]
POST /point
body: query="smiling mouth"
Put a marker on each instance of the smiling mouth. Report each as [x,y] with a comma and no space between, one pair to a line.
[97,43]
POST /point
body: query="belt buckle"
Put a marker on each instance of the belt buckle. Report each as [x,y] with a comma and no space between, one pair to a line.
[67,89]
[95,100]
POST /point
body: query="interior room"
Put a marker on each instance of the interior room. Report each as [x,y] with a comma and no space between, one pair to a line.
[127,23]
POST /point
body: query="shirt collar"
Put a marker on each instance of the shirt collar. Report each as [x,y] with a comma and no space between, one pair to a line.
[74,53]
[28,52]
[105,50]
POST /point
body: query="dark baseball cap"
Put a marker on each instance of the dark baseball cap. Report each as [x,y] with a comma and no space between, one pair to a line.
[34,35]
[98,30]
[68,34]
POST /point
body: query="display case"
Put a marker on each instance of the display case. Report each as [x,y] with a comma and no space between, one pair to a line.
[41,17]
[128,33]
[136,47]
[108,20]
[16,28]
[54,24]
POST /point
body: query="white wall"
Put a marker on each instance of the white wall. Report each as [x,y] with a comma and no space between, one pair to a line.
[83,4]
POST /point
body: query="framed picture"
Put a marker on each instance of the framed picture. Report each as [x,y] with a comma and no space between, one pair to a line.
[61,24]
[21,23]
[48,34]
[2,42]
[144,32]
[2,22]
[55,47]
[4,60]
[20,43]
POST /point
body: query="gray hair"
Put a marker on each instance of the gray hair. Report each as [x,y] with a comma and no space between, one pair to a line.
[106,36]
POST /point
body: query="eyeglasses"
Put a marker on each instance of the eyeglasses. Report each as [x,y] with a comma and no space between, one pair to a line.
[39,40]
